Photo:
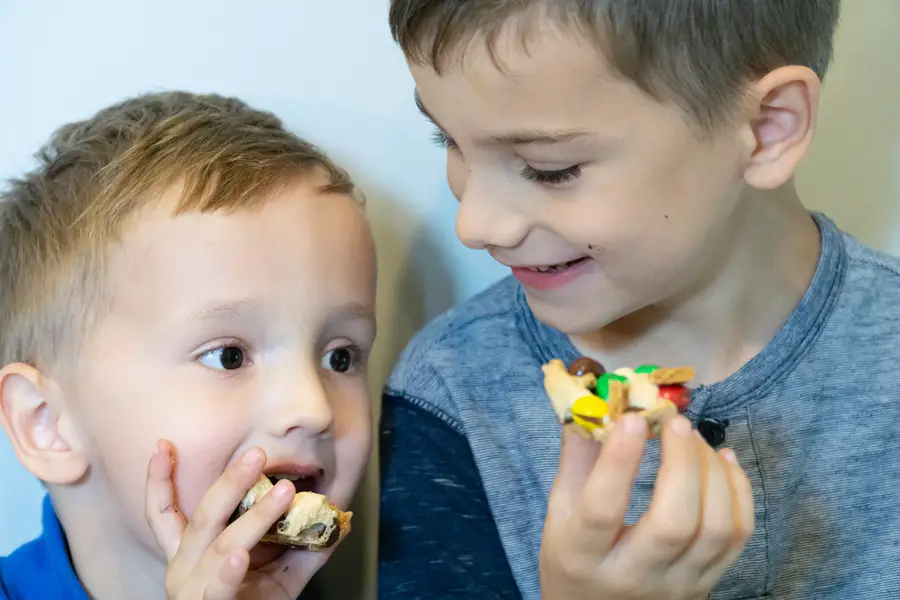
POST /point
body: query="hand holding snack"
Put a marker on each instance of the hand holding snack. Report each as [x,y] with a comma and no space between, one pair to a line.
[699,519]
[209,557]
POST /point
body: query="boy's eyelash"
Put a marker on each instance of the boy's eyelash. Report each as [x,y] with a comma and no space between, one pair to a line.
[528,172]
[442,140]
[551,177]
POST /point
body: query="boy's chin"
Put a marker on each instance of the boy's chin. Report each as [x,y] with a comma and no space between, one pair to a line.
[265,553]
[568,319]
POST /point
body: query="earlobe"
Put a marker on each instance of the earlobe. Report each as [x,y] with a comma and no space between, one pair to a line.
[784,107]
[30,415]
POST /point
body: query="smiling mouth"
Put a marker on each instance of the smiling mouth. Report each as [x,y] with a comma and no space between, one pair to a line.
[556,268]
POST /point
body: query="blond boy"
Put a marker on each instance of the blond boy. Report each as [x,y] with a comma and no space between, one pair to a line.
[180,278]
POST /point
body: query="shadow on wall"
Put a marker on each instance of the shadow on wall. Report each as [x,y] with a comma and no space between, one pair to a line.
[853,171]
[414,286]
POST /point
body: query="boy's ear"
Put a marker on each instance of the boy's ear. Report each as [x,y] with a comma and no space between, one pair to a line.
[783,111]
[42,437]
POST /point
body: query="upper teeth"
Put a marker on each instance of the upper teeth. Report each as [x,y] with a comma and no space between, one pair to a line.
[545,269]
[288,477]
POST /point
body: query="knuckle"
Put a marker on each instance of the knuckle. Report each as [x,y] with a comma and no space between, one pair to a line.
[595,515]
[221,547]
[199,520]
[573,571]
[745,532]
[622,585]
[673,534]
[719,534]
[563,564]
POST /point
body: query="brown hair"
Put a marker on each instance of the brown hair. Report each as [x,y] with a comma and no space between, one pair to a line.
[699,53]
[57,221]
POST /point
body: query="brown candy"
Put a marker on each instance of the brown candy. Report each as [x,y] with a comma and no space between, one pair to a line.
[585,365]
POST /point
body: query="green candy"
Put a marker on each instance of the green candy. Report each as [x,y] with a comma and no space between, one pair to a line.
[603,383]
[646,369]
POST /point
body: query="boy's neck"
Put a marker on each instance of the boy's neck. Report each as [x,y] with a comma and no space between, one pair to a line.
[109,562]
[767,262]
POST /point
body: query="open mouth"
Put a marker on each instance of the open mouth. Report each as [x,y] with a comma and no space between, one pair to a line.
[306,482]
[557,268]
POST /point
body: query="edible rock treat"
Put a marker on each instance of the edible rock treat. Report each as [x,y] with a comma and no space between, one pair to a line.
[311,523]
[590,399]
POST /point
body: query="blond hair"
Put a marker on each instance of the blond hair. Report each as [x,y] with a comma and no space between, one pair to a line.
[56,222]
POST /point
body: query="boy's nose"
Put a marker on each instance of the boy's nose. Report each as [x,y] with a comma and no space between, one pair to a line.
[303,406]
[484,222]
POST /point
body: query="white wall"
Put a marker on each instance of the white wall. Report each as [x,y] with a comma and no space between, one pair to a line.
[330,70]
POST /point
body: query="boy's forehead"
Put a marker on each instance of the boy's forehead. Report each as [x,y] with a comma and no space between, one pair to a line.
[190,257]
[558,85]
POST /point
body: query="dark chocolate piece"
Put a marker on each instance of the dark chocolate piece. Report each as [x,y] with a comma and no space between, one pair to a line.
[585,365]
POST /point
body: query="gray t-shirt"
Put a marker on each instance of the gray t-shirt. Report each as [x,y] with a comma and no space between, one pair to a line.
[814,420]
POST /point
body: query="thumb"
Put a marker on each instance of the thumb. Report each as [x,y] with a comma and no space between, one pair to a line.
[577,458]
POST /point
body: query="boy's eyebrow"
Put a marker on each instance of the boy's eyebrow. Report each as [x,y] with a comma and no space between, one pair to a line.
[534,136]
[238,309]
[227,310]
[354,311]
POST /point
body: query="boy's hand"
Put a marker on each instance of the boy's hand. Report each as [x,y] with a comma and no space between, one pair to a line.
[210,559]
[699,520]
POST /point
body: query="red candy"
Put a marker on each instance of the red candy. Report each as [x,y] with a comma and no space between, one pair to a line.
[679,395]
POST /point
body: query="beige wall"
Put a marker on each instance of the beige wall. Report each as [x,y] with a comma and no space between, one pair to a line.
[853,172]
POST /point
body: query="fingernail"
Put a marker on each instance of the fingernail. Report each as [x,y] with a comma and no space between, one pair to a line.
[729,456]
[283,488]
[633,424]
[250,457]
[681,426]
[160,448]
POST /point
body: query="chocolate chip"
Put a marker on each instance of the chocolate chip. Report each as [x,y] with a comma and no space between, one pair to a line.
[333,538]
[585,365]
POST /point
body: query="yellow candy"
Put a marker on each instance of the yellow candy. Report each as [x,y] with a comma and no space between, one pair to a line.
[593,408]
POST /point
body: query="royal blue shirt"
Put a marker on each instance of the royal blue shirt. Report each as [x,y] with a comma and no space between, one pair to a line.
[41,569]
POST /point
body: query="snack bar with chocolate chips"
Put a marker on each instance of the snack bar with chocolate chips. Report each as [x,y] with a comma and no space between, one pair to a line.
[590,399]
[311,523]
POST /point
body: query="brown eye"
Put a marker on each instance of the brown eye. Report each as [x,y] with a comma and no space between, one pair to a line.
[227,358]
[339,360]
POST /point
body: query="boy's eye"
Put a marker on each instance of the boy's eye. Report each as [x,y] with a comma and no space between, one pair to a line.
[226,358]
[551,177]
[340,360]
[528,172]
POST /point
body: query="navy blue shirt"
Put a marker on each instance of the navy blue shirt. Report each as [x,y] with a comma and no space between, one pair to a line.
[41,569]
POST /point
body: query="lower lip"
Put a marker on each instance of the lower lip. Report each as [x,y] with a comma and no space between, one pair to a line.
[551,280]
